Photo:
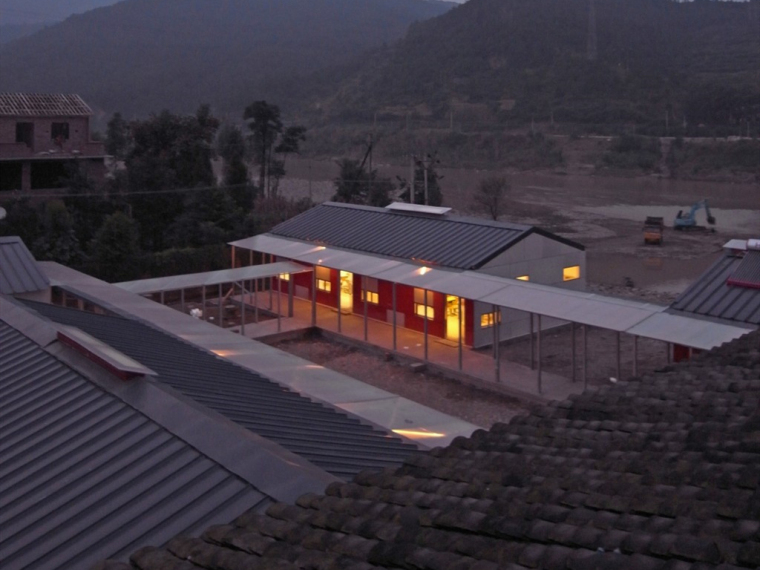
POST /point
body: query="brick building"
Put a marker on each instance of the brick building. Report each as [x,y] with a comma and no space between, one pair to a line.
[40,134]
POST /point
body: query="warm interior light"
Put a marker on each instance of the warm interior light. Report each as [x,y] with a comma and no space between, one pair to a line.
[418,434]
[223,353]
[424,270]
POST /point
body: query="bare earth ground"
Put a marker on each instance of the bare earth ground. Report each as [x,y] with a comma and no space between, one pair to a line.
[606,215]
[448,396]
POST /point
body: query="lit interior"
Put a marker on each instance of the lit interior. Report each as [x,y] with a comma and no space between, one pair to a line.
[418,434]
[524,278]
[570,273]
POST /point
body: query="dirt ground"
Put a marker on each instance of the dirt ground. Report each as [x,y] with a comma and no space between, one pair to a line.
[476,406]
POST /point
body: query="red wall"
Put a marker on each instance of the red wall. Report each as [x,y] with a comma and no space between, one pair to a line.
[379,312]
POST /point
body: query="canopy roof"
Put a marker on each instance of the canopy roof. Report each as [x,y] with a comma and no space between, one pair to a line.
[176,282]
[620,315]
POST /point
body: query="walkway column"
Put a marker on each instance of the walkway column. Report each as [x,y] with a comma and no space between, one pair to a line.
[497,371]
[461,340]
[532,355]
[271,281]
[425,293]
[617,354]
[242,308]
[667,351]
[572,326]
[290,295]
[540,386]
[279,304]
[635,355]
[203,302]
[221,315]
[233,257]
[314,296]
[394,317]
[182,299]
[162,297]
[256,300]
[250,257]
[585,356]
[364,288]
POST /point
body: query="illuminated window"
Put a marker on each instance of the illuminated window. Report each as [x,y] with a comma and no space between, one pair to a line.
[488,319]
[570,273]
[523,278]
[324,285]
[369,284]
[422,304]
[285,276]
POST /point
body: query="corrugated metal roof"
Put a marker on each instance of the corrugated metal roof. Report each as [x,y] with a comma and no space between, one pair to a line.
[175,282]
[84,476]
[461,243]
[18,268]
[712,296]
[748,272]
[43,105]
[324,436]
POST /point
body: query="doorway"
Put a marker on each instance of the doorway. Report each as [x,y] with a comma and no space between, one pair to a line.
[454,326]
[346,291]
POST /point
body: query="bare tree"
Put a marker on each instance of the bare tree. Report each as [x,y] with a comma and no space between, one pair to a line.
[491,196]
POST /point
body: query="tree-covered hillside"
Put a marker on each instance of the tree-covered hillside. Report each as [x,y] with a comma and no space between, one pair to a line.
[658,64]
[139,56]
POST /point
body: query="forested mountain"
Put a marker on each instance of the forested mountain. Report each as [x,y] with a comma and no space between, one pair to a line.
[644,62]
[13,12]
[140,56]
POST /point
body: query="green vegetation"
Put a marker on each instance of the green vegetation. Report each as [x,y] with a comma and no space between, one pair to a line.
[633,153]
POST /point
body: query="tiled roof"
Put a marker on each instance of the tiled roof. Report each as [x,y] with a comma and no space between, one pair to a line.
[658,473]
[43,105]
[84,476]
[326,437]
[711,295]
[461,243]
[18,268]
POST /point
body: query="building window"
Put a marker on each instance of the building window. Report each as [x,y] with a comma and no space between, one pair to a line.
[284,276]
[370,288]
[523,278]
[423,304]
[323,279]
[25,133]
[570,273]
[59,132]
[487,320]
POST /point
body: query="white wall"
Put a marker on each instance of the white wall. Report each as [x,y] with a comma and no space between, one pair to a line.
[543,260]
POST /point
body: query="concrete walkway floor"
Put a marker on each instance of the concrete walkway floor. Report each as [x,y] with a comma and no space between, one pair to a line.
[478,367]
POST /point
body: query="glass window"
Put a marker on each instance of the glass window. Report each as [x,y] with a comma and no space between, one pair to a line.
[422,304]
[285,276]
[570,273]
[324,285]
[370,287]
[323,273]
[488,319]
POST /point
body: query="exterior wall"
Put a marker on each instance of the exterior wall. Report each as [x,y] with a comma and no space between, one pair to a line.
[42,140]
[543,260]
[42,296]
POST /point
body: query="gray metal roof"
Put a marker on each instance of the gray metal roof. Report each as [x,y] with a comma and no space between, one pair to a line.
[18,268]
[43,105]
[711,295]
[187,281]
[84,476]
[326,437]
[449,241]
[748,272]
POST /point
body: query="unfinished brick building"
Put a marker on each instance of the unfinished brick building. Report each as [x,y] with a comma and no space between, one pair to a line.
[40,134]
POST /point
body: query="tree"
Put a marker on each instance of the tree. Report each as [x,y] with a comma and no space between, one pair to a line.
[491,195]
[269,137]
[117,136]
[58,241]
[169,152]
[115,248]
[230,145]
[355,185]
